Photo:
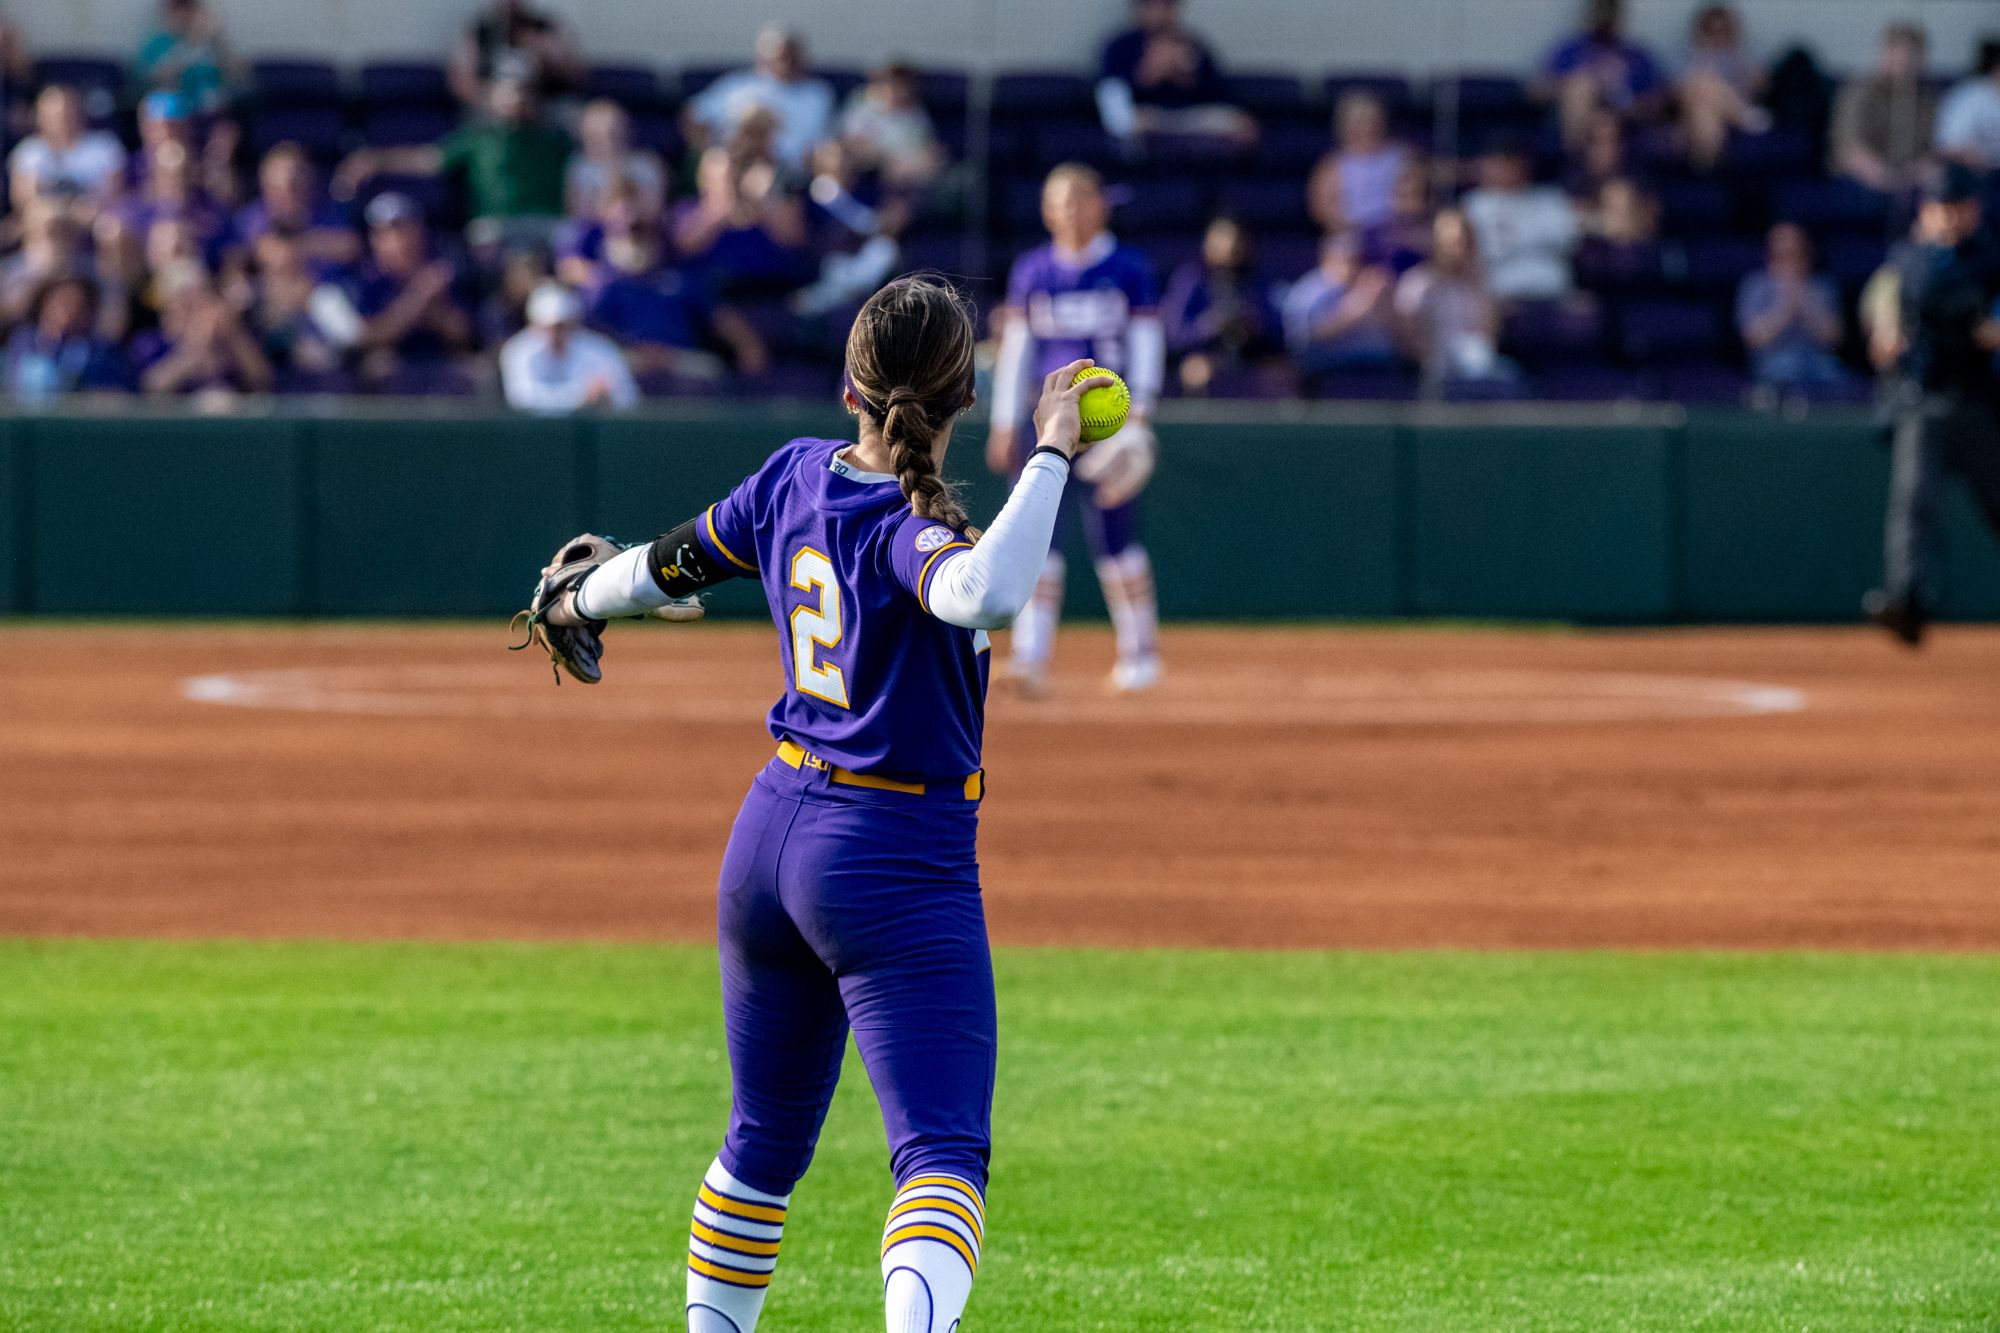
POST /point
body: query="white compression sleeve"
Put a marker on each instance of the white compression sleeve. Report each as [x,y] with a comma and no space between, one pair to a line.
[1146,362]
[621,586]
[986,587]
[1009,371]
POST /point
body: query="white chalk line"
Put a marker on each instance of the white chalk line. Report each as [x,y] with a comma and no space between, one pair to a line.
[699,692]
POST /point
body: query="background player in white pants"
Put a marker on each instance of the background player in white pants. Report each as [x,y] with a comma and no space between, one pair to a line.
[1086,295]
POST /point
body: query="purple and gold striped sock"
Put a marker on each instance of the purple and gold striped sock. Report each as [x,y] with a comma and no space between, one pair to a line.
[732,1252]
[930,1250]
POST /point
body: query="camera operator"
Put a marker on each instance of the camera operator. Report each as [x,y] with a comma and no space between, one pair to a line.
[1941,345]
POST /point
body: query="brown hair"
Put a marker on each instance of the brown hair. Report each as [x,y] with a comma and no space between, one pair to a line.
[909,362]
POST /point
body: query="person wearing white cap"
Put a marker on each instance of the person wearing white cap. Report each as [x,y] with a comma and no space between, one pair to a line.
[555,365]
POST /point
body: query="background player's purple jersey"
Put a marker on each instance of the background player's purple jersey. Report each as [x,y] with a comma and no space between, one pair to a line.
[873,681]
[1075,313]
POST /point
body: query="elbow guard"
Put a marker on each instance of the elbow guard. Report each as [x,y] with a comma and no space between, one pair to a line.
[681,565]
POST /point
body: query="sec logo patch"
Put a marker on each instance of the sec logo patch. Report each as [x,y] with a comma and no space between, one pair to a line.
[933,537]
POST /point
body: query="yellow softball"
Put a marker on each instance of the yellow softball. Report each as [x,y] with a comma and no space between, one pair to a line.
[1103,409]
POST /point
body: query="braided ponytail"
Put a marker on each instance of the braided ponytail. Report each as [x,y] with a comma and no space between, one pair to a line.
[909,361]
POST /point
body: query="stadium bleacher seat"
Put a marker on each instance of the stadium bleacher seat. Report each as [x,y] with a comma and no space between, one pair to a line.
[658,131]
[1287,256]
[1291,146]
[944,90]
[297,81]
[1393,89]
[634,87]
[1830,205]
[1717,263]
[404,83]
[1032,93]
[320,130]
[844,81]
[1661,329]
[1585,380]
[1852,259]
[1691,204]
[1269,95]
[1072,139]
[694,78]
[398,126]
[1266,202]
[1773,155]
[1706,381]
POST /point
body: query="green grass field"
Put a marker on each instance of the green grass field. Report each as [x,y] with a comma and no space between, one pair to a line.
[336,1137]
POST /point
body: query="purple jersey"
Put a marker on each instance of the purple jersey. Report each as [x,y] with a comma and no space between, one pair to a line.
[1077,313]
[873,681]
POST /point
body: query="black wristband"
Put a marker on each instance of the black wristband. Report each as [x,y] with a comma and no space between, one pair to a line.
[1041,449]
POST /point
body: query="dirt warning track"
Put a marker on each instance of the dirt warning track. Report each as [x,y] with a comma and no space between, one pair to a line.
[1283,788]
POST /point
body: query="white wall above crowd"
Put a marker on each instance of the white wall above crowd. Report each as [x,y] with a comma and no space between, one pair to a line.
[1310,36]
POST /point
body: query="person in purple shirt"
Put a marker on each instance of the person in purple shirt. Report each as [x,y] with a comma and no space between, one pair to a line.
[288,203]
[1598,70]
[1085,294]
[412,324]
[1160,79]
[1218,312]
[849,896]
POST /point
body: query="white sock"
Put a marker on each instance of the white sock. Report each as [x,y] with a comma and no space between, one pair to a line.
[930,1250]
[1035,627]
[1127,580]
[732,1252]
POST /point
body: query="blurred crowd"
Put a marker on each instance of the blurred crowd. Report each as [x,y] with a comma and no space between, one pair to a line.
[515,221]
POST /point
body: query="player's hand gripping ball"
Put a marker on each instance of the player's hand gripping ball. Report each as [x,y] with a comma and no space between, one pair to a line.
[1104,408]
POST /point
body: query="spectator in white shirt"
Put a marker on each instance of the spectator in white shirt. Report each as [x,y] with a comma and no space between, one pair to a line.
[555,365]
[64,155]
[1525,231]
[782,82]
[1968,124]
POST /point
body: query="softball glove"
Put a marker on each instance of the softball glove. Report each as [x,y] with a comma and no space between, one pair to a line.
[574,643]
[1120,466]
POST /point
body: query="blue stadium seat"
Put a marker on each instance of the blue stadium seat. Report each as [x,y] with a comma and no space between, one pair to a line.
[284,82]
[1047,93]
[80,71]
[1491,94]
[1073,140]
[844,81]
[944,91]
[1853,259]
[1778,153]
[1018,203]
[1586,380]
[937,252]
[1291,146]
[1830,205]
[1393,89]
[1156,205]
[404,83]
[400,126]
[1266,201]
[634,87]
[1717,263]
[320,130]
[1267,95]
[1542,332]
[1364,386]
[658,131]
[1692,205]
[1710,383]
[694,78]
[1664,328]
[1169,250]
[1287,256]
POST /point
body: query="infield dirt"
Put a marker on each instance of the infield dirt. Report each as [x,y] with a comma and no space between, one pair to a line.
[1287,788]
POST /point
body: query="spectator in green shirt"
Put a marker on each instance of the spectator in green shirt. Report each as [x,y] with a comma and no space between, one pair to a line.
[513,162]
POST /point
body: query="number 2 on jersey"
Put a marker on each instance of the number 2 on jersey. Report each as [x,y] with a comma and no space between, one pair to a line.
[815,629]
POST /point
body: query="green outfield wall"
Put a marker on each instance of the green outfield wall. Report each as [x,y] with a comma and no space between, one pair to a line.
[1597,515]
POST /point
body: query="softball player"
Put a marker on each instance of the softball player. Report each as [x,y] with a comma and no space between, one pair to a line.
[850,890]
[1086,295]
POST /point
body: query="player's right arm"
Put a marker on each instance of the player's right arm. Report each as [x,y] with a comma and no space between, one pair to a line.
[985,586]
